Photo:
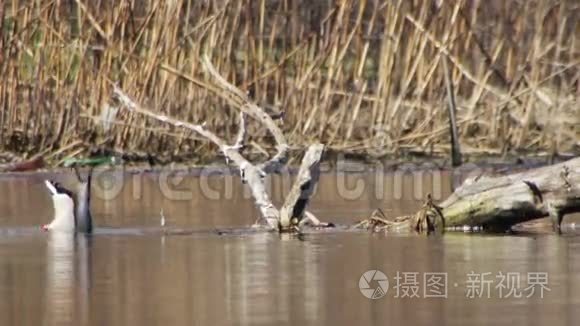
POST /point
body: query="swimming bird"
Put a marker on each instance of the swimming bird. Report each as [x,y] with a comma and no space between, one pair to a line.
[71,211]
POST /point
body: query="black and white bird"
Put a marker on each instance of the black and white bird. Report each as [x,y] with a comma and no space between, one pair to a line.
[71,210]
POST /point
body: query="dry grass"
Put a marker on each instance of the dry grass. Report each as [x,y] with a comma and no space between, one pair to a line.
[360,76]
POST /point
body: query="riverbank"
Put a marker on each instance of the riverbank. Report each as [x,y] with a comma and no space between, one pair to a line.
[331,161]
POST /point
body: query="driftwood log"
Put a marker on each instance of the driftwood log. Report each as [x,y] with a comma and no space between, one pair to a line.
[293,213]
[498,202]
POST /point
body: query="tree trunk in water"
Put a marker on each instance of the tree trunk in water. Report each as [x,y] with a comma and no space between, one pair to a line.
[501,202]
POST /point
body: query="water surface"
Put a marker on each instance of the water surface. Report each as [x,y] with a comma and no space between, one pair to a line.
[127,273]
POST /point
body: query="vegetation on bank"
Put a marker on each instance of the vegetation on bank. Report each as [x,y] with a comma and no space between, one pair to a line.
[363,77]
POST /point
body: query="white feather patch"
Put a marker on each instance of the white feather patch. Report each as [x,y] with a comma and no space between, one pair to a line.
[50,187]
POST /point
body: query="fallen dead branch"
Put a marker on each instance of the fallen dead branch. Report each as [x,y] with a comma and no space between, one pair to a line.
[501,202]
[293,212]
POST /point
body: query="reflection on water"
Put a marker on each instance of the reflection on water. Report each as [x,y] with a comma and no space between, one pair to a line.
[122,277]
[60,278]
[68,278]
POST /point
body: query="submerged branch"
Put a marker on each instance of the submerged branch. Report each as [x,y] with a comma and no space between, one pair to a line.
[253,175]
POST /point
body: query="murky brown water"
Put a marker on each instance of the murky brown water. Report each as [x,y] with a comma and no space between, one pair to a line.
[124,276]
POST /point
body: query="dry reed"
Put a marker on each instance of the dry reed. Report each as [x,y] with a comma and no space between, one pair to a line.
[360,76]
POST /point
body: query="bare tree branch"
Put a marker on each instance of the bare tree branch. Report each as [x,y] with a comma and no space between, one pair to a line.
[253,175]
[200,129]
[241,137]
[248,107]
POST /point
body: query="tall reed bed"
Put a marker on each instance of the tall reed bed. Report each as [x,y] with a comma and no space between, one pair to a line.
[360,76]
